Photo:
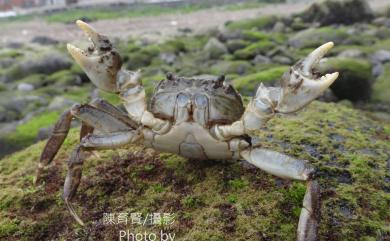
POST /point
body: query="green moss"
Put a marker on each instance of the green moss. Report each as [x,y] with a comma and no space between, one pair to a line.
[236,44]
[381,88]
[62,77]
[37,80]
[10,53]
[212,200]
[252,50]
[257,23]
[26,133]
[8,227]
[2,87]
[314,37]
[232,67]
[143,57]
[238,183]
[247,84]
[254,36]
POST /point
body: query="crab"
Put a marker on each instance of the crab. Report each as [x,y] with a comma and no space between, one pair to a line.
[200,117]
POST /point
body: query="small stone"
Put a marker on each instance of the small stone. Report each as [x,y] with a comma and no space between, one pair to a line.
[261,59]
[168,58]
[381,56]
[25,87]
[59,103]
[282,60]
[351,53]
[279,27]
[215,49]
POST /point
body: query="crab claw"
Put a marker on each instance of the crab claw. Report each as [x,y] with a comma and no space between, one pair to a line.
[300,85]
[101,62]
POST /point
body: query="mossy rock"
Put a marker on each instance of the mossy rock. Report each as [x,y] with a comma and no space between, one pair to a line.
[338,12]
[314,37]
[248,84]
[236,44]
[254,36]
[142,57]
[261,47]
[224,200]
[355,80]
[37,80]
[232,67]
[266,22]
[381,87]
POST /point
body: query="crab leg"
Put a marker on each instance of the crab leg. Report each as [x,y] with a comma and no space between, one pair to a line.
[60,131]
[76,160]
[112,110]
[287,167]
[91,118]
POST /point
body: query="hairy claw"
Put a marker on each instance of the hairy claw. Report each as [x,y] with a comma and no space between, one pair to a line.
[300,85]
[101,62]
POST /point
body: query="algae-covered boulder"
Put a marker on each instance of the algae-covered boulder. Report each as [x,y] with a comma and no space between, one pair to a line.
[381,87]
[313,37]
[248,84]
[338,12]
[212,200]
[355,79]
[215,49]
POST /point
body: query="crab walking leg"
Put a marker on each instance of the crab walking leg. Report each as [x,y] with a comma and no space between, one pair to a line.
[60,131]
[287,167]
[76,160]
[310,214]
[114,111]
[92,118]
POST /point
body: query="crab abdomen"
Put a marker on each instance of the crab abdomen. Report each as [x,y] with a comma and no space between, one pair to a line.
[191,140]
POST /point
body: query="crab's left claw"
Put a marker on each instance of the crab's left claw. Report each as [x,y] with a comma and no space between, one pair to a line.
[300,85]
[101,62]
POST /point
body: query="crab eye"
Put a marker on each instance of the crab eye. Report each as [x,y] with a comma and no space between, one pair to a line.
[182,99]
[201,101]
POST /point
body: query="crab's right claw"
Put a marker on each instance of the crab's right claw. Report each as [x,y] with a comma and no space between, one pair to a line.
[101,62]
[300,85]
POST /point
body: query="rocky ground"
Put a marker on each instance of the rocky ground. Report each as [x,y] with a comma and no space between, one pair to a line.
[348,140]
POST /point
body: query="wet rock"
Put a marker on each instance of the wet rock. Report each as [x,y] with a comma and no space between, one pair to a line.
[60,103]
[279,27]
[25,87]
[47,64]
[381,56]
[44,40]
[382,21]
[351,53]
[6,62]
[355,79]
[377,70]
[24,104]
[215,49]
[168,58]
[282,60]
[338,12]
[261,59]
[7,115]
[44,133]
[236,44]
[314,37]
